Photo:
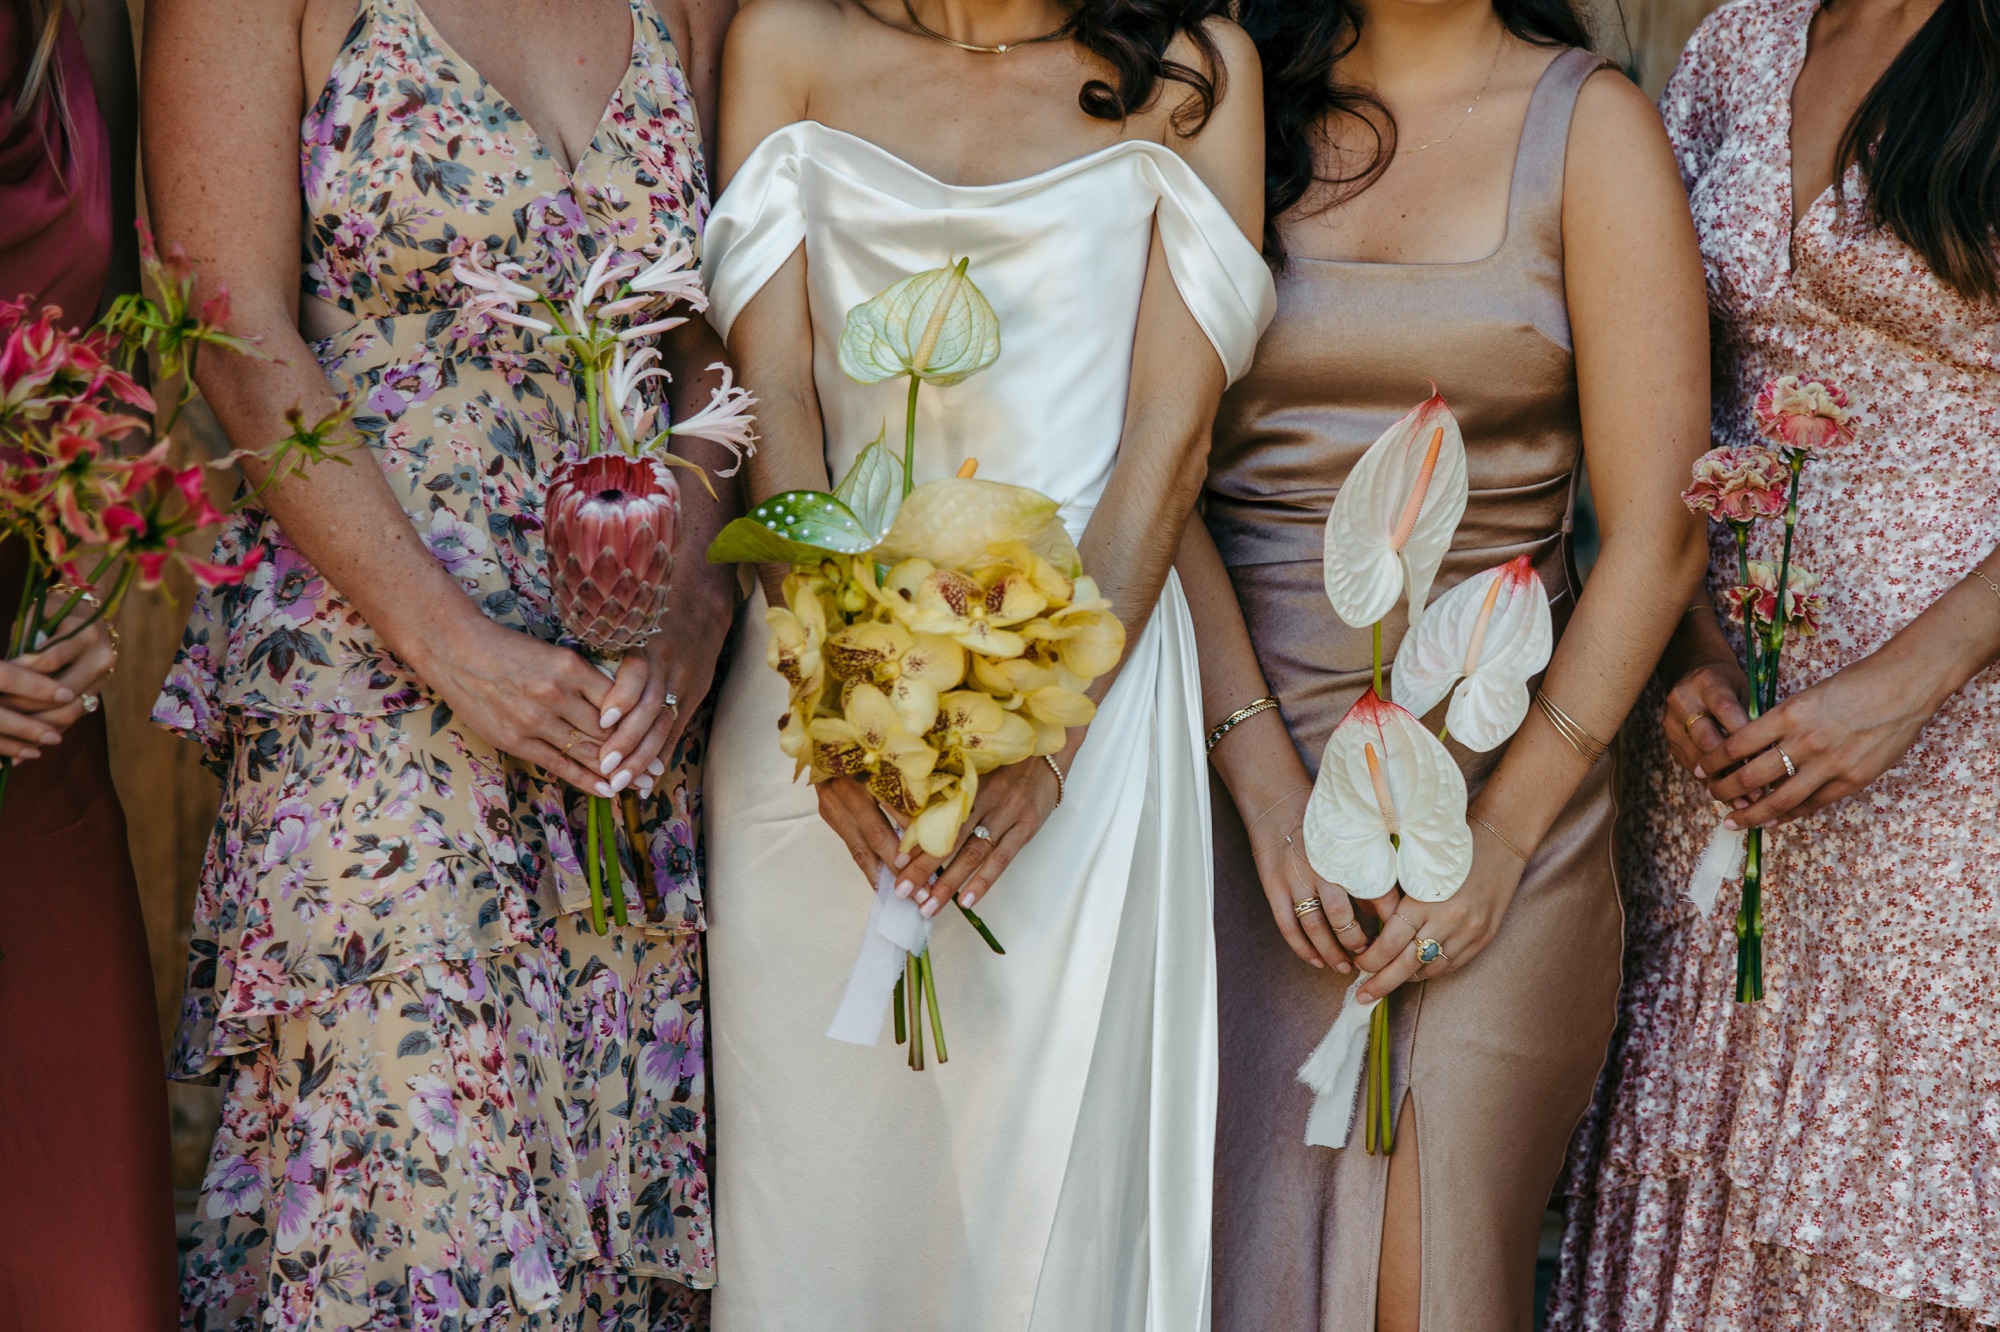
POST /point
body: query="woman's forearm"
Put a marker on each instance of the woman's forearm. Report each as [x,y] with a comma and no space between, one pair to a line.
[1954,639]
[1232,678]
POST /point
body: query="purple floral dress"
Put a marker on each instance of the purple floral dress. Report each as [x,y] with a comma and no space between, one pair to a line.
[448,1104]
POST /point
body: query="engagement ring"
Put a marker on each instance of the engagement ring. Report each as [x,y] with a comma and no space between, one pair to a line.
[1429,951]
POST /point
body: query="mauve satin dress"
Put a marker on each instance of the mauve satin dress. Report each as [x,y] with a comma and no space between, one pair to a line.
[86,1221]
[1500,1057]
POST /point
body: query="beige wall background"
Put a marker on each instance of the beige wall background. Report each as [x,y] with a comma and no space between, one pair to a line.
[170,799]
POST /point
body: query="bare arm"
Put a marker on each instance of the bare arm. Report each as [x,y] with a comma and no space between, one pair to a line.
[1643,391]
[222,97]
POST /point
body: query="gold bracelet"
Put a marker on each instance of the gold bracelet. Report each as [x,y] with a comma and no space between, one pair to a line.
[1060,783]
[1505,840]
[1991,586]
[1237,718]
[1582,741]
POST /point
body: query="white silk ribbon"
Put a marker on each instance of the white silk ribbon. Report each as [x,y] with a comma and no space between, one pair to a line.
[1721,860]
[1333,1071]
[896,929]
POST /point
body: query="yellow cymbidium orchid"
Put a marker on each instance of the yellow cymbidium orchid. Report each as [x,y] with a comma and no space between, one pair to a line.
[870,743]
[983,618]
[975,731]
[911,668]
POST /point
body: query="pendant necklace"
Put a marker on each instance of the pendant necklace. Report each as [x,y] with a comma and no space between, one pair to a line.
[1004,47]
[1490,71]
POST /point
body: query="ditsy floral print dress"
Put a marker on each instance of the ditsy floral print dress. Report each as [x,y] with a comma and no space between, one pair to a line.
[1830,1158]
[448,1104]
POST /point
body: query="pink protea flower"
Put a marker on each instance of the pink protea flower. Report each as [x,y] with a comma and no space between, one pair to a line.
[1803,414]
[1739,485]
[1805,605]
[610,525]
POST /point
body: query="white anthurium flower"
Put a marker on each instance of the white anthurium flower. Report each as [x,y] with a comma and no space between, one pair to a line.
[934,325]
[1488,636]
[1393,518]
[1388,807]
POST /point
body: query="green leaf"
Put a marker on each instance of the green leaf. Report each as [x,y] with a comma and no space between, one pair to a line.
[873,487]
[797,527]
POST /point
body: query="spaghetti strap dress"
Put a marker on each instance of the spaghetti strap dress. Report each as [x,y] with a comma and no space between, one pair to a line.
[1498,1058]
[447,1103]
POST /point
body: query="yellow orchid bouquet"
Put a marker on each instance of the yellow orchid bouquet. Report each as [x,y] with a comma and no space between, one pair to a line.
[930,633]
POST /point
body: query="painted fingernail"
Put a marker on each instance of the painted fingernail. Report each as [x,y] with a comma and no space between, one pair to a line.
[610,763]
[64,693]
[1731,825]
[658,767]
[967,899]
[902,859]
[605,791]
[27,754]
[1316,962]
[904,889]
[52,738]
[931,908]
[1343,968]
[610,717]
[646,788]
[1700,773]
[620,782]
[923,896]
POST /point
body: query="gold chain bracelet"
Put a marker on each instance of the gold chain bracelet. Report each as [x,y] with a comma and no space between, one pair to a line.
[1505,840]
[1582,741]
[1991,586]
[1237,718]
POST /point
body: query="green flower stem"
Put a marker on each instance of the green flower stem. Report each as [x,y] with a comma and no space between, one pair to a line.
[1385,1116]
[899,1006]
[910,439]
[914,973]
[614,871]
[593,871]
[1750,911]
[980,925]
[1375,635]
[928,979]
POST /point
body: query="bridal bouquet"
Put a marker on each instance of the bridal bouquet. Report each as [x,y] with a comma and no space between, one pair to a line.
[85,481]
[1388,808]
[613,508]
[1740,487]
[930,633]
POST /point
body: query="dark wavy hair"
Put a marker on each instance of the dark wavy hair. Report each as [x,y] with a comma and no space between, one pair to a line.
[1927,139]
[1132,36]
[1300,42]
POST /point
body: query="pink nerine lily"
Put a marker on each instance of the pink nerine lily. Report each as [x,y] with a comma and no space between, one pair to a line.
[1488,636]
[673,276]
[726,420]
[1393,518]
[1388,807]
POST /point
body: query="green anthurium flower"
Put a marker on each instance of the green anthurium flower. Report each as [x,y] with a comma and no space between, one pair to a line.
[935,326]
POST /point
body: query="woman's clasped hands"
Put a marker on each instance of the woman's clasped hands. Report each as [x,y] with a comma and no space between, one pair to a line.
[44,693]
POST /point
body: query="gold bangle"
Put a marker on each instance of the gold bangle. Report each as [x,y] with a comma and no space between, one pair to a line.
[1061,784]
[1991,586]
[1237,718]
[1505,840]
[1582,741]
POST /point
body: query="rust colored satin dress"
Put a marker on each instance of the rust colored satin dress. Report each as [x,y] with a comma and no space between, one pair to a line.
[86,1221]
[1500,1057]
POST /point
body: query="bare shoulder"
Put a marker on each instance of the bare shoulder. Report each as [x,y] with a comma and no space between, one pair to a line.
[1227,148]
[785,31]
[1615,135]
[1237,73]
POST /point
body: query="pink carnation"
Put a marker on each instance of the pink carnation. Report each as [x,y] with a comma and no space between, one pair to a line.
[1804,604]
[1803,414]
[1739,485]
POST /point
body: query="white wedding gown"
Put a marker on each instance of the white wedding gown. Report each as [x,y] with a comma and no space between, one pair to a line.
[1054,1175]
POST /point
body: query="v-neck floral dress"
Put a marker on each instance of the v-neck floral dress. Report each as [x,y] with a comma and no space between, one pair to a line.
[448,1104]
[1828,1159]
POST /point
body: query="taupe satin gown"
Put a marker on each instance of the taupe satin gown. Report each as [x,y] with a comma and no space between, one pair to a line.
[1500,1057]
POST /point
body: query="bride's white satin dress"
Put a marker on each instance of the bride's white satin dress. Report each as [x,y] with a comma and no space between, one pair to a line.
[1054,1175]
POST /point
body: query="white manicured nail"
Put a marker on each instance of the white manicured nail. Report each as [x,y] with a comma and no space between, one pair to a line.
[610,763]
[605,791]
[610,717]
[620,782]
[658,767]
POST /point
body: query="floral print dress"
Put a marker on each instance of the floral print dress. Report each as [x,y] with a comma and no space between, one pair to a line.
[448,1104]
[1828,1159]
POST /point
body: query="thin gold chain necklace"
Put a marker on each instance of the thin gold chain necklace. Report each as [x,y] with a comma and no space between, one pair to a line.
[1490,71]
[975,48]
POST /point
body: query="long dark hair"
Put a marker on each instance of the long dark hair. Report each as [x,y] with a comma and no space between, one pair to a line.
[40,74]
[1927,139]
[1132,36]
[1300,43]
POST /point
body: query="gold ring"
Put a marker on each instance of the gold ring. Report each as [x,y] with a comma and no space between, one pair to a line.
[1699,716]
[1414,927]
[982,832]
[574,736]
[1306,908]
[1429,951]
[672,701]
[1790,771]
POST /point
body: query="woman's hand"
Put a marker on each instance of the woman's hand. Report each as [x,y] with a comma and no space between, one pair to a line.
[655,693]
[542,704]
[42,693]
[1012,805]
[1277,844]
[1840,735]
[1704,708]
[1462,925]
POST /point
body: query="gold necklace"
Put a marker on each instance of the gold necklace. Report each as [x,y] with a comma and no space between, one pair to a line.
[1490,71]
[1002,49]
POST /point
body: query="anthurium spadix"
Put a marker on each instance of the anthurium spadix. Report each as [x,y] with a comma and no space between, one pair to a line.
[1388,807]
[1393,518]
[1488,637]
